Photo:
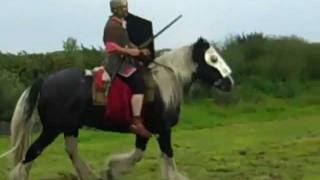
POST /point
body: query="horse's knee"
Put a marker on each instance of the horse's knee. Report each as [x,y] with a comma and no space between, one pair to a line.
[141,143]
[69,151]
[71,146]
[164,141]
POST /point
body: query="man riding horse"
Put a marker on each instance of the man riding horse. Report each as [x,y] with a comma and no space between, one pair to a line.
[122,61]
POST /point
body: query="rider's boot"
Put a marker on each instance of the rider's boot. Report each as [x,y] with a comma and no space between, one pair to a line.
[137,126]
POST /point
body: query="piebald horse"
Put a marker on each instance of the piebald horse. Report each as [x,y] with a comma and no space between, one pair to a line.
[64,105]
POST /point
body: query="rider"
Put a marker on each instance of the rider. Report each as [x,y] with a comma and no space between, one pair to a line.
[121,61]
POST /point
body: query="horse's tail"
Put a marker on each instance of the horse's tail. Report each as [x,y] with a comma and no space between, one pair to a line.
[22,123]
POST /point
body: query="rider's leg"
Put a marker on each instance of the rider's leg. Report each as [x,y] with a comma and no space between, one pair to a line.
[136,84]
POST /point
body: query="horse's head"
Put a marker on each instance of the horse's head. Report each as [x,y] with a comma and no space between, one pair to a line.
[211,67]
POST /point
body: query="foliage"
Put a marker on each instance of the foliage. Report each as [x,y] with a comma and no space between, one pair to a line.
[279,66]
[18,70]
[70,45]
[10,88]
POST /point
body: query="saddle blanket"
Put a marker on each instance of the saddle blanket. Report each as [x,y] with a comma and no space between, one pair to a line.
[115,96]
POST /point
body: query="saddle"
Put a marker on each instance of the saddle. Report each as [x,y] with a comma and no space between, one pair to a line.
[102,84]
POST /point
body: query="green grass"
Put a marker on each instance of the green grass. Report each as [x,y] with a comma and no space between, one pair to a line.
[269,139]
[206,113]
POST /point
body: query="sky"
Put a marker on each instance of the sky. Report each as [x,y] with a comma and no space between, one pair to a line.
[43,25]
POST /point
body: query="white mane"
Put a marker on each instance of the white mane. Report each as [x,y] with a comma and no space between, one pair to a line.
[171,71]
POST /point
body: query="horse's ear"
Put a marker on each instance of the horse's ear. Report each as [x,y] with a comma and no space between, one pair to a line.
[202,41]
[199,49]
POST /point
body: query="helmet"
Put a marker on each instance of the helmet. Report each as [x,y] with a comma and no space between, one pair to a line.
[119,8]
[117,3]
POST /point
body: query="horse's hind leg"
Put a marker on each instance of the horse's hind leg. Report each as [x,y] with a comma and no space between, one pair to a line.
[21,171]
[71,146]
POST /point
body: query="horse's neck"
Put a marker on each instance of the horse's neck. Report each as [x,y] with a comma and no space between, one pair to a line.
[180,62]
[173,71]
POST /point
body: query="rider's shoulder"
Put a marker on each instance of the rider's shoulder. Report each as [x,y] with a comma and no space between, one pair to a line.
[113,20]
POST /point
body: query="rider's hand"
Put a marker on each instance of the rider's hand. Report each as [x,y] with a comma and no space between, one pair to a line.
[133,52]
[145,52]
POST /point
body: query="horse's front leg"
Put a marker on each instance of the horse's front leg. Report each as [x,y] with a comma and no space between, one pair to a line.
[83,171]
[169,169]
[123,163]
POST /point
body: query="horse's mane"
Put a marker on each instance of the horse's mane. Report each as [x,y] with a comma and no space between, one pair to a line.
[171,71]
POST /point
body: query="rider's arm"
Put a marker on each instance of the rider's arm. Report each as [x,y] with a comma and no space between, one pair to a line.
[144,52]
[112,47]
[131,45]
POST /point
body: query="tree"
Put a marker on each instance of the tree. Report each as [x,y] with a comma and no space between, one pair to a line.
[71,45]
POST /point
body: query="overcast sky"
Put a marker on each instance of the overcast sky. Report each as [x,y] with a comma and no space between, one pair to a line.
[42,25]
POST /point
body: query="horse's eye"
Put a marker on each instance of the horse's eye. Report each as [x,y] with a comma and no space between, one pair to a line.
[213,59]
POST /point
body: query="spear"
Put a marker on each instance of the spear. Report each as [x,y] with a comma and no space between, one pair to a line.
[151,39]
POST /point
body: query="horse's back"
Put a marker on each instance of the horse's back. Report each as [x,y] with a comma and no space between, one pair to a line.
[63,83]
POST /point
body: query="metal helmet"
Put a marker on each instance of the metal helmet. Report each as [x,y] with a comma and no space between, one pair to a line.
[117,3]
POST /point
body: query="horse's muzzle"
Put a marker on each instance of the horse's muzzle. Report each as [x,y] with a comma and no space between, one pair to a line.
[225,84]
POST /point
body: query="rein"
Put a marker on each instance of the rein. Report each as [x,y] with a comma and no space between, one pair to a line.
[162,65]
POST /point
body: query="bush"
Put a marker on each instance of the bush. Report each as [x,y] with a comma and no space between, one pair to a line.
[273,65]
[10,90]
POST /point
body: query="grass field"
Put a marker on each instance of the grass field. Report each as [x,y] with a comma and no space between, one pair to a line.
[268,139]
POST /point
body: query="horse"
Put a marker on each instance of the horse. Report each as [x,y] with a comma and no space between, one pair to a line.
[64,105]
